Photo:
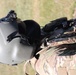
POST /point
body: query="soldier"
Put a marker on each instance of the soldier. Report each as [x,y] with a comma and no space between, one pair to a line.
[58,58]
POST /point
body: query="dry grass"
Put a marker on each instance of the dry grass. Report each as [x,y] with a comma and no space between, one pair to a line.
[52,9]
[42,11]
[11,70]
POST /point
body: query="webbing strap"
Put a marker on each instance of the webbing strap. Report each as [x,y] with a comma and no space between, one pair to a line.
[12,36]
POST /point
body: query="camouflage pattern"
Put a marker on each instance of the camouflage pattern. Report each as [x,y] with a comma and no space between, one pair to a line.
[55,61]
[50,63]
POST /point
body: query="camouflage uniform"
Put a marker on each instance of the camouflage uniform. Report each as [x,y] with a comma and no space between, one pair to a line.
[51,63]
[54,60]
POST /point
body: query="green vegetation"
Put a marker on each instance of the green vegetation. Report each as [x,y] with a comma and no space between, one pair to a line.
[42,11]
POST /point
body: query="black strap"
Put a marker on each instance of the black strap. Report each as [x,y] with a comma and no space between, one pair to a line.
[12,36]
[37,56]
[24,40]
[11,16]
